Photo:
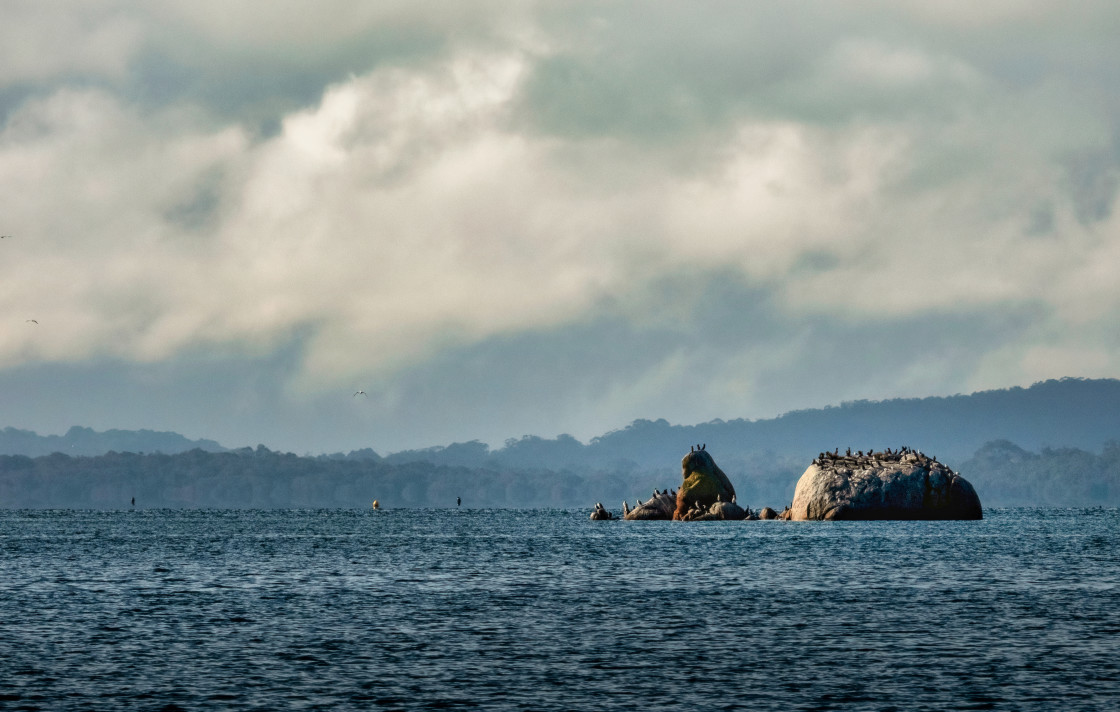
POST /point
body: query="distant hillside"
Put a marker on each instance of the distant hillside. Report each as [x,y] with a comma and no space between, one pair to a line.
[1070,413]
[85,441]
[1003,473]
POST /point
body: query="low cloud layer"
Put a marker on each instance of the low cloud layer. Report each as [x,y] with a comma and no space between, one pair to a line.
[547,217]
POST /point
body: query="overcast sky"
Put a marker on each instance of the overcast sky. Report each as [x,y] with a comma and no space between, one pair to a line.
[507,218]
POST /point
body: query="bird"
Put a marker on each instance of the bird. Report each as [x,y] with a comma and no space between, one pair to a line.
[359,393]
[32,321]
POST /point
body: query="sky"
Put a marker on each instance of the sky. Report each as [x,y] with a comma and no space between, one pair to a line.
[506,218]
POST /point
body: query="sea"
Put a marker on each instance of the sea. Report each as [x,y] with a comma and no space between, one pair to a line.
[473,609]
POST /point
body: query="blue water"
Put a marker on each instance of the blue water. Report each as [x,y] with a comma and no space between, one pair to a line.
[546,610]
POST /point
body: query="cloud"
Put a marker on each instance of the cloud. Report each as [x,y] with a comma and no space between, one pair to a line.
[66,39]
[903,197]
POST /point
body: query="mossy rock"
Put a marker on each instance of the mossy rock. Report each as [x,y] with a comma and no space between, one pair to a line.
[703,484]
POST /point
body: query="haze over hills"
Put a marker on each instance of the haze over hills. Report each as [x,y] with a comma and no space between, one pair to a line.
[86,441]
[1070,412]
[1056,443]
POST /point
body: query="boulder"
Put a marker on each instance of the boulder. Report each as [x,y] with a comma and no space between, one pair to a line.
[882,485]
[703,484]
[600,514]
[730,511]
[767,513]
[660,506]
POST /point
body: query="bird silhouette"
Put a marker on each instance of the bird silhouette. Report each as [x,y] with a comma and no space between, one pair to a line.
[32,321]
[359,393]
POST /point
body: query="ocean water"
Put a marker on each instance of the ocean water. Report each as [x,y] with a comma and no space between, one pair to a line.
[546,610]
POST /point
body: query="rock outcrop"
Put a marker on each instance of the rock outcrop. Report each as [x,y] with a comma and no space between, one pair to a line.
[718,511]
[704,483]
[659,506]
[600,514]
[903,484]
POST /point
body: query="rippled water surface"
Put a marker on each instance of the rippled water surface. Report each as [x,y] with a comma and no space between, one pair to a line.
[546,610]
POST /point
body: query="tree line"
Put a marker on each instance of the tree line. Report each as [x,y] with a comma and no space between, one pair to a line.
[1003,473]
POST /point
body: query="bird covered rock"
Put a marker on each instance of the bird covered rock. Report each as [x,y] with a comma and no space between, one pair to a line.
[883,485]
[659,506]
[600,513]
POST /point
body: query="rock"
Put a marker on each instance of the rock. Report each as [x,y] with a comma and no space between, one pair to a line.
[660,506]
[729,511]
[703,483]
[767,513]
[901,485]
[706,494]
[599,514]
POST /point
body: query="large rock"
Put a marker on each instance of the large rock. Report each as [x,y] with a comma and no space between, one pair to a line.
[704,483]
[659,506]
[883,485]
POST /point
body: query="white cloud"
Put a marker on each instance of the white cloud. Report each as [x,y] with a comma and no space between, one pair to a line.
[40,41]
[873,168]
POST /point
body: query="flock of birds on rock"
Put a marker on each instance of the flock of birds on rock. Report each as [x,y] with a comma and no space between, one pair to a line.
[832,459]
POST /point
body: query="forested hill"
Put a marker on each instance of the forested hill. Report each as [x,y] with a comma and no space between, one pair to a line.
[1077,413]
[86,441]
[1003,474]
[1067,413]
[1053,444]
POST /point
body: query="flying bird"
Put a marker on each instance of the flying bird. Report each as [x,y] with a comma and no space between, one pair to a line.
[359,393]
[32,321]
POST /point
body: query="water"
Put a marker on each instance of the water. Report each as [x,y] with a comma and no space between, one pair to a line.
[545,610]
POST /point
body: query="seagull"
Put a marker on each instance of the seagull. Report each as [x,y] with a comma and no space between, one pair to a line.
[359,393]
[32,321]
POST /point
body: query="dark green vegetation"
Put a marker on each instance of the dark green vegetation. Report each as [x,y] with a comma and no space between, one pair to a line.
[1054,444]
